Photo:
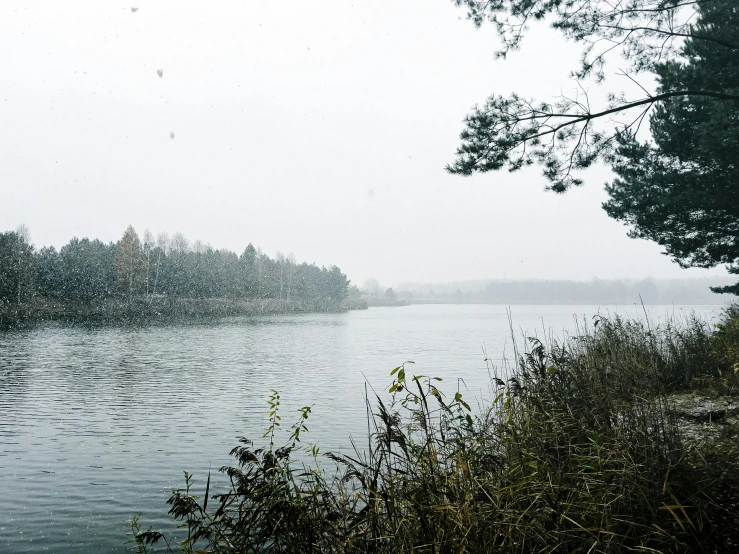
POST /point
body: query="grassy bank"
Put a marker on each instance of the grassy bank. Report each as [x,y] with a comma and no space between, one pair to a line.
[582,447]
[162,309]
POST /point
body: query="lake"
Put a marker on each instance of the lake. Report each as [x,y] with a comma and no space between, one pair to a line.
[97,424]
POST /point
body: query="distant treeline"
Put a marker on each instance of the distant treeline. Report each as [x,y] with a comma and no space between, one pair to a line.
[597,291]
[86,271]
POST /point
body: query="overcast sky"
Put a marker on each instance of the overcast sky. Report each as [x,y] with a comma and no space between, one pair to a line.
[315,127]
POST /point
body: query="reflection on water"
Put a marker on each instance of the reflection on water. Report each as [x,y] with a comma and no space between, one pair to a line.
[98,424]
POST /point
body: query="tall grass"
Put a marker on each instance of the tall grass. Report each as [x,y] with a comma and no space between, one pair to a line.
[578,450]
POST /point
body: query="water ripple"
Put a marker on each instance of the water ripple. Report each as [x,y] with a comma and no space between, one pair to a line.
[98,424]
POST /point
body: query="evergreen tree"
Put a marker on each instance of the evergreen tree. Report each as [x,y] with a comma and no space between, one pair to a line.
[680,189]
[49,272]
[248,271]
[16,266]
[336,284]
[88,271]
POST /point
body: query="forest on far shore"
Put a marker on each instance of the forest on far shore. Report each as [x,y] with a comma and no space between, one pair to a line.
[556,291]
[87,270]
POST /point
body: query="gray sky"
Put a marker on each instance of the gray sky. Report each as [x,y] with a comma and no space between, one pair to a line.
[315,127]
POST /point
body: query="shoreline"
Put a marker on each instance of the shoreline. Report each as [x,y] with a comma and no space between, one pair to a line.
[166,310]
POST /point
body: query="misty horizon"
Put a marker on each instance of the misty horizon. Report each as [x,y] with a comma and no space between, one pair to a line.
[321,130]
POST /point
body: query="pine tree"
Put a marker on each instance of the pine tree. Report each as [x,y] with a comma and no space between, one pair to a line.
[681,189]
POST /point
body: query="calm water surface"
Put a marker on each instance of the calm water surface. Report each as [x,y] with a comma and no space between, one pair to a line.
[98,424]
